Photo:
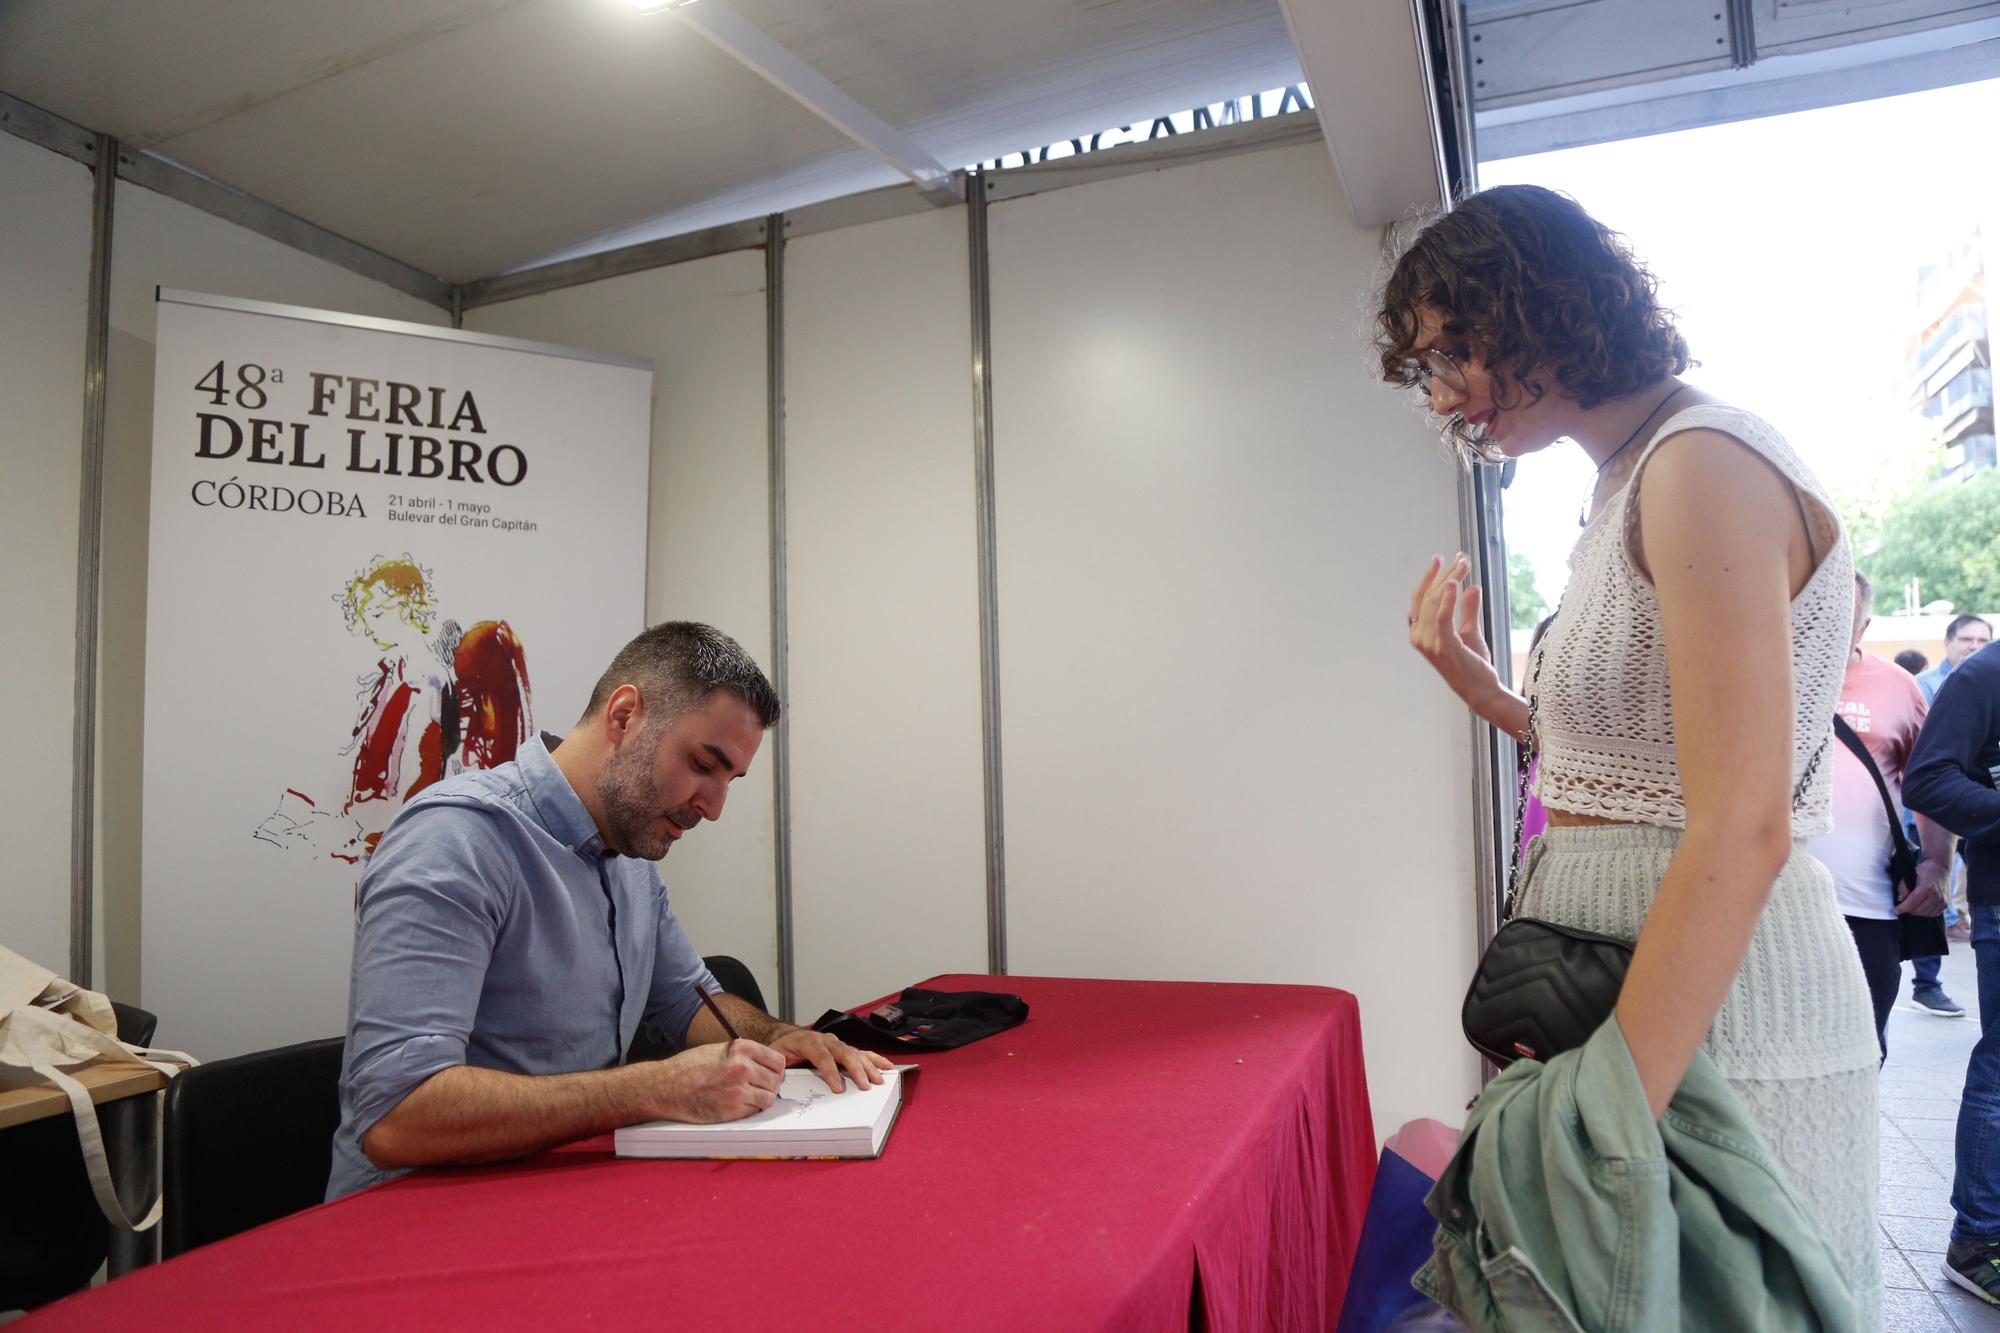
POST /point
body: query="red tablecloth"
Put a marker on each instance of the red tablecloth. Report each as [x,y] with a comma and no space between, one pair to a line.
[1071,1173]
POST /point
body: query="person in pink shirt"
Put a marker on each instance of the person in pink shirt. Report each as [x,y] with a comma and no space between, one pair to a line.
[1883,705]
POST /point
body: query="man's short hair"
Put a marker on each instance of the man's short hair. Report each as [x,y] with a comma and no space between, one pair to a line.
[1864,591]
[1912,661]
[1959,623]
[677,665]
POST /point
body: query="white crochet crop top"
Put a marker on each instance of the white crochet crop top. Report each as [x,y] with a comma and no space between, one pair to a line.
[1602,707]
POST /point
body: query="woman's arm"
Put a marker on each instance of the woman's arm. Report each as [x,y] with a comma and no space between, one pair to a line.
[1444,627]
[1725,544]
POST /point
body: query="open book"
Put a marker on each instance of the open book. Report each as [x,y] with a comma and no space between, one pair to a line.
[809,1119]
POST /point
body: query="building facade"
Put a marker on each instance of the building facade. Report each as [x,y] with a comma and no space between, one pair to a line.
[1950,358]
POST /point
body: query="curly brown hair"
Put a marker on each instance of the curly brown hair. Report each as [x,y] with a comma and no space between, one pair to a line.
[1539,287]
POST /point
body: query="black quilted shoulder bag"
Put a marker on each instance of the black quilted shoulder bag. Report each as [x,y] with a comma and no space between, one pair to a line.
[1543,988]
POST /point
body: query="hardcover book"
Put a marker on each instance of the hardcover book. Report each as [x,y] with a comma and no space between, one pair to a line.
[809,1119]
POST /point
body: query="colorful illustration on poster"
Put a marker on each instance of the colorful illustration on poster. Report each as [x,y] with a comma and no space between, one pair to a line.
[438,700]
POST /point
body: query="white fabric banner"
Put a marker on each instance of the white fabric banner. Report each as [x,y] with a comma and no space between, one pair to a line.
[381,553]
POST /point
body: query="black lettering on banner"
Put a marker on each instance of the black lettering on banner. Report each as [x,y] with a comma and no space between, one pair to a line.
[250,378]
[467,409]
[233,494]
[393,466]
[220,394]
[354,437]
[403,399]
[1232,111]
[465,461]
[520,465]
[251,387]
[323,387]
[426,456]
[264,441]
[209,421]
[299,458]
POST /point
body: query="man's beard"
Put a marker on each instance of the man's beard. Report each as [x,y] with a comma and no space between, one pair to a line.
[629,795]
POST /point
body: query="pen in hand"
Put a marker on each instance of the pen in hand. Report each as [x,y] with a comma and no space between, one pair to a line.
[716,1009]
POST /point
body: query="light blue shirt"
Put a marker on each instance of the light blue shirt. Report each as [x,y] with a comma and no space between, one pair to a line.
[493,930]
[1933,680]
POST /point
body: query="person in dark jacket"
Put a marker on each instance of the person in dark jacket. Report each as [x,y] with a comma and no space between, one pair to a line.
[1951,777]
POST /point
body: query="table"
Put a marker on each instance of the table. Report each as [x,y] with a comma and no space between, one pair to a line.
[128,1121]
[1137,1155]
[18,1106]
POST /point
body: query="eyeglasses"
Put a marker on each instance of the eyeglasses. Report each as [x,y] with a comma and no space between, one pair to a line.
[1436,366]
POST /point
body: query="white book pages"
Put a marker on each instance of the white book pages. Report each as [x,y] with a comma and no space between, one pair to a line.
[809,1119]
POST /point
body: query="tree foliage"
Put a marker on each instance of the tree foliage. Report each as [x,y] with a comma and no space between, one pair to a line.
[1946,535]
[1525,604]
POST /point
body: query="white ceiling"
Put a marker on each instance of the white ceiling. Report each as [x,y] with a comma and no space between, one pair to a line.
[474,137]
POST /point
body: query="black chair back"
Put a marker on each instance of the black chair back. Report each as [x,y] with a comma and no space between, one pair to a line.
[651,1044]
[136,1026]
[736,978]
[248,1140]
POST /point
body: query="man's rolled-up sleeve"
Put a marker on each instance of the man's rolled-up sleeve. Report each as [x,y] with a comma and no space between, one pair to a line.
[431,906]
[671,1004]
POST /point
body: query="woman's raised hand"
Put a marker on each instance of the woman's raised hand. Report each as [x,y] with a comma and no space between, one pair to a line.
[1445,628]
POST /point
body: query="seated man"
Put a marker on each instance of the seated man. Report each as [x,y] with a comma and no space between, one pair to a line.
[512,934]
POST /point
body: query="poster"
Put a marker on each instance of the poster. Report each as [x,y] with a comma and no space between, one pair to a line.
[380,554]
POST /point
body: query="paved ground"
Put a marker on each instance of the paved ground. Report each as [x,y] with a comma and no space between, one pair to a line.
[1920,1087]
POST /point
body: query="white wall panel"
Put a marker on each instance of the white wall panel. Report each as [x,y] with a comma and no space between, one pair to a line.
[44,289]
[1222,760]
[708,555]
[159,242]
[888,824]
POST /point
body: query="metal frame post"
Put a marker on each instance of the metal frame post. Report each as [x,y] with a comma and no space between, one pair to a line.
[774,351]
[1493,799]
[989,593]
[89,549]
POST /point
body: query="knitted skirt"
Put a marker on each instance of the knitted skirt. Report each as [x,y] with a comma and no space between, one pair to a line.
[1795,1036]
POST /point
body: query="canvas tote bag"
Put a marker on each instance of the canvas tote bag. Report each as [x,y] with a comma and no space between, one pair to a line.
[47,1026]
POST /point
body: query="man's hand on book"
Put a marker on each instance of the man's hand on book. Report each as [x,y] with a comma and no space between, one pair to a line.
[719,1081]
[830,1056]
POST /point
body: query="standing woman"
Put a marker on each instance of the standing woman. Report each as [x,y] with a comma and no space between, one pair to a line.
[1684,693]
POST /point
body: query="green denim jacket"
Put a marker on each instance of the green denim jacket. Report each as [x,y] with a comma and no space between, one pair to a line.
[1568,1208]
